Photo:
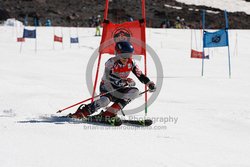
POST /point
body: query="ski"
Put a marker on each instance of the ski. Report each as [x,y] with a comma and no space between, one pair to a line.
[113,121]
[146,122]
[98,119]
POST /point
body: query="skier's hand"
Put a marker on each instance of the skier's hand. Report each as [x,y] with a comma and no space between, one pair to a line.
[130,82]
[151,86]
[120,83]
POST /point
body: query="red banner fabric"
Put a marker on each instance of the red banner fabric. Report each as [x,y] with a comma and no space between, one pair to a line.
[196,54]
[21,39]
[134,32]
[58,39]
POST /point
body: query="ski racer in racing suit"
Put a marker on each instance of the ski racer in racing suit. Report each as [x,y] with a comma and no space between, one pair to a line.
[115,84]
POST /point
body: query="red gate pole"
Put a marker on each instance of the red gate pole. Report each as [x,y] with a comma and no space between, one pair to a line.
[106,10]
[100,54]
[143,35]
[96,76]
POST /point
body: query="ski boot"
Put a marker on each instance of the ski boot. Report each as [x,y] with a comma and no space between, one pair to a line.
[107,118]
[82,112]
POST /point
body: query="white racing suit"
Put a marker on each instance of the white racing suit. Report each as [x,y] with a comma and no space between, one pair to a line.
[114,81]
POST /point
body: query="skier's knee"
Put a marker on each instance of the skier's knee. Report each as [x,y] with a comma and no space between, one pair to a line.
[104,101]
[135,93]
[132,94]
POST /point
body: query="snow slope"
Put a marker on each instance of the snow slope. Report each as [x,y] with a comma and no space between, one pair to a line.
[199,121]
[229,5]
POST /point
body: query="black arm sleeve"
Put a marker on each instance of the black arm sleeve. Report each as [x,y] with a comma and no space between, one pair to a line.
[138,73]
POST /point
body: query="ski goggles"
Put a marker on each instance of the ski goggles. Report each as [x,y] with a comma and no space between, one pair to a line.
[124,55]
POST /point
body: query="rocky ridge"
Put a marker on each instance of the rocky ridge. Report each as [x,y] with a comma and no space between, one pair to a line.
[79,12]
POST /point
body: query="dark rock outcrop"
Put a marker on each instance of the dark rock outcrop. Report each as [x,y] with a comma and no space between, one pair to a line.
[79,12]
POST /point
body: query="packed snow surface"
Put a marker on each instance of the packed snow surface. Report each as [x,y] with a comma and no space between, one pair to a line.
[198,121]
[229,5]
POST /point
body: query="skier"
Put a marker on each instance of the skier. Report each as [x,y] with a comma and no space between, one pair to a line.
[116,85]
[98,26]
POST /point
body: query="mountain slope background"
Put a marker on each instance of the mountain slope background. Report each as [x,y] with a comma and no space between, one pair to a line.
[78,12]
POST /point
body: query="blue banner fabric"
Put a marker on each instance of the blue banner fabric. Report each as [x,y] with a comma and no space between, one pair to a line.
[74,40]
[29,33]
[215,39]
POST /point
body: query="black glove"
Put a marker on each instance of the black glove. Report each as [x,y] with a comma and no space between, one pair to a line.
[151,86]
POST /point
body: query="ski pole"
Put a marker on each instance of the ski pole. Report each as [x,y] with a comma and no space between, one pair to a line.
[59,111]
[144,92]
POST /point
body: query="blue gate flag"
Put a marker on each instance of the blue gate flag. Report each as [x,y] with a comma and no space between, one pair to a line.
[215,39]
[29,33]
[74,40]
